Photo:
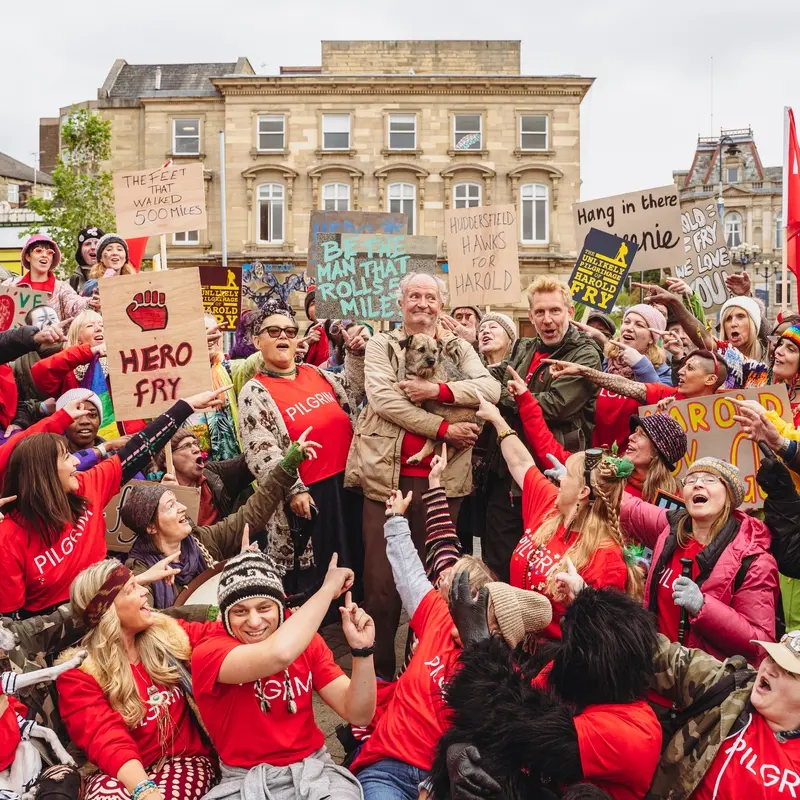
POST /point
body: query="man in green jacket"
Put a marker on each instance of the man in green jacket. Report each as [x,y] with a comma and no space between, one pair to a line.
[567,403]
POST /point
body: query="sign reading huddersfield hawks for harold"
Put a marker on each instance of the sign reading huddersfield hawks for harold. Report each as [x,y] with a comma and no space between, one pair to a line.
[358,275]
[156,340]
[601,270]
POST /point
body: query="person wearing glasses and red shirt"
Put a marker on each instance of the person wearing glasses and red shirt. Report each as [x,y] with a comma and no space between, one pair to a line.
[275,407]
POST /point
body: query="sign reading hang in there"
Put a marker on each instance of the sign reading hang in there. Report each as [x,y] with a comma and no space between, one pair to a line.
[15,303]
[712,431]
[707,261]
[651,218]
[358,275]
[601,269]
[222,294]
[119,537]
[150,202]
[156,340]
[482,259]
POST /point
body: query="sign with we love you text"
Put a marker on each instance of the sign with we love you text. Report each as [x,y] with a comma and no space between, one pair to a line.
[156,340]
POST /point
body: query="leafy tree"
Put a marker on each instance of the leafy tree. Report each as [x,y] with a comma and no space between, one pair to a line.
[83,194]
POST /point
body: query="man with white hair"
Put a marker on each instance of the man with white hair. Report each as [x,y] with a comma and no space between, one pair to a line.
[394,425]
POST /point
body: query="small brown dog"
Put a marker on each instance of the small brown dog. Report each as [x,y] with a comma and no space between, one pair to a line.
[434,361]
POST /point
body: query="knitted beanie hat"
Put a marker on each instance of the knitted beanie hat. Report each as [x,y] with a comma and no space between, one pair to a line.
[666,434]
[311,297]
[85,235]
[792,334]
[80,394]
[139,508]
[248,575]
[478,312]
[726,472]
[655,319]
[111,238]
[748,304]
[518,611]
[504,321]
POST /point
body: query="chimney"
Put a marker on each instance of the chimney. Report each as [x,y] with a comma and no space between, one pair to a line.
[158,78]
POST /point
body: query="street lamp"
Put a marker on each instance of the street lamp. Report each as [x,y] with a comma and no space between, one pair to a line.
[731,151]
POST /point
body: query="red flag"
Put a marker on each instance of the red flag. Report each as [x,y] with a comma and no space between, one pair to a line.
[136,248]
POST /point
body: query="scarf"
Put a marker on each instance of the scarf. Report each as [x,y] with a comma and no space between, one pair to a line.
[193,562]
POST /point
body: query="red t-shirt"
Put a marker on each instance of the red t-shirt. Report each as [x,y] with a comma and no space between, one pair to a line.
[658,391]
[307,401]
[416,716]
[242,733]
[668,613]
[752,764]
[36,576]
[531,566]
[10,736]
[612,419]
[537,359]
[412,442]
[620,746]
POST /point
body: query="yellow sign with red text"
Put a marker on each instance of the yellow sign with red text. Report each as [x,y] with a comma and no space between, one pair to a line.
[711,431]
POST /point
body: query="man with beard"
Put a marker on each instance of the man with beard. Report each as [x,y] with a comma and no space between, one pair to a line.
[85,256]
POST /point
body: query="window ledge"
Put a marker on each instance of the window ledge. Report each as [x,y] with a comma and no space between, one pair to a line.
[179,156]
[534,245]
[339,153]
[190,245]
[388,151]
[256,152]
[481,153]
[519,153]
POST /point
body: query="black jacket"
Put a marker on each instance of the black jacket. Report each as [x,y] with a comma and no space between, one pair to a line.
[781,515]
[17,342]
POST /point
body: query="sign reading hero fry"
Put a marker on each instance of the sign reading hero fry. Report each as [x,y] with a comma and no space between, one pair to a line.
[156,340]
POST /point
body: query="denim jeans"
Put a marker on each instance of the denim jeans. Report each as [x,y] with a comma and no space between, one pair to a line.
[389,779]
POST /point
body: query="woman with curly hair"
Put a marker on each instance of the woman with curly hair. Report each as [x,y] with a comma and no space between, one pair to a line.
[579,521]
[129,706]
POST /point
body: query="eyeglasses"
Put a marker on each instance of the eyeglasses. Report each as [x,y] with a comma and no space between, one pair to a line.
[275,332]
[37,251]
[701,478]
[189,445]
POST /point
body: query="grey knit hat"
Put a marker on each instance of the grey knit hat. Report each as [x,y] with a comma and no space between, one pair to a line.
[248,575]
[504,321]
[139,508]
[111,238]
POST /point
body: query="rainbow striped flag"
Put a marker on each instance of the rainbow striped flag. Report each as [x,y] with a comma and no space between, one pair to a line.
[96,382]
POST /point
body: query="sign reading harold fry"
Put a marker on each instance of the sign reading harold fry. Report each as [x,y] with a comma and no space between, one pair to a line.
[650,218]
[222,294]
[150,202]
[601,269]
[156,340]
[358,275]
[15,303]
[712,431]
[482,260]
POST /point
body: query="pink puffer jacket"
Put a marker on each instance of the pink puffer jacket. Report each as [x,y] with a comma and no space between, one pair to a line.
[728,621]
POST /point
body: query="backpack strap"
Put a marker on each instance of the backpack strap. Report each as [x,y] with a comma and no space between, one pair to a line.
[713,696]
[741,574]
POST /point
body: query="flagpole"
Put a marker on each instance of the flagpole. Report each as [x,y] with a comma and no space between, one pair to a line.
[785,213]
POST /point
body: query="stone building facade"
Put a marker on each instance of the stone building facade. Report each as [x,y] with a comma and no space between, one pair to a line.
[752,196]
[410,126]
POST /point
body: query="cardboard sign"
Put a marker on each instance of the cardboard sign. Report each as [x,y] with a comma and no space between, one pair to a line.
[601,269]
[15,303]
[119,537]
[150,202]
[222,294]
[343,222]
[650,218]
[156,338]
[358,275]
[712,431]
[708,261]
[482,259]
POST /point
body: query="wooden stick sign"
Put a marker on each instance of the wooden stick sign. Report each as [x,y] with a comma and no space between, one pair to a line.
[156,339]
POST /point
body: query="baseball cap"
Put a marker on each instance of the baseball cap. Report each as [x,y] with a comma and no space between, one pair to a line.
[786,652]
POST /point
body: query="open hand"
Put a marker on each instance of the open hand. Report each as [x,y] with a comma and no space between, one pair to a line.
[753,419]
[358,626]
[462,331]
[738,283]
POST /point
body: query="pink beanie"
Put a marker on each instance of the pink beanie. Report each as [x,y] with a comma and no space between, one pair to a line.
[655,319]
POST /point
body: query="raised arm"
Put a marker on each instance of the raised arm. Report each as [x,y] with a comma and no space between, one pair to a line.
[479,383]
[517,458]
[49,373]
[604,380]
[641,520]
[695,329]
[442,545]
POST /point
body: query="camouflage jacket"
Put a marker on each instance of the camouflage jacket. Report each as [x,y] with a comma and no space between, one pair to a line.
[683,676]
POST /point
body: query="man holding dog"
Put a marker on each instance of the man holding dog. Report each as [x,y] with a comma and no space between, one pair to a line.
[394,426]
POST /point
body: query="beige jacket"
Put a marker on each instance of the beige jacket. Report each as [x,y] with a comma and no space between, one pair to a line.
[374,459]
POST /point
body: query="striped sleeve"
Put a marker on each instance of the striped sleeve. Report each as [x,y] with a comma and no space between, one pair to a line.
[442,545]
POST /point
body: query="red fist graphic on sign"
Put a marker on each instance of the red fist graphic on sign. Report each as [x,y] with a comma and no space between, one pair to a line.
[149,310]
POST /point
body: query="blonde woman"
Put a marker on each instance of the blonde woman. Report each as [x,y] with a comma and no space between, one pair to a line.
[577,521]
[129,706]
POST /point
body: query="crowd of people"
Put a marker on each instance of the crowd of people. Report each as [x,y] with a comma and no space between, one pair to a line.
[597,643]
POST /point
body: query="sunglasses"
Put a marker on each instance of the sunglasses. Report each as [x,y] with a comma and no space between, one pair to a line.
[275,331]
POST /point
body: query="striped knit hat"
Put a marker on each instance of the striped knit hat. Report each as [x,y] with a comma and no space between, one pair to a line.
[726,472]
[793,334]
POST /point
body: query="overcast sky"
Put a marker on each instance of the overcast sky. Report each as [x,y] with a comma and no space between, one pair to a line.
[641,119]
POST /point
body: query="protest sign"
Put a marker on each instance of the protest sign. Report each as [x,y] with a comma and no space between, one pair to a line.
[119,537]
[651,218]
[707,262]
[156,340]
[222,294]
[601,269]
[150,202]
[344,222]
[15,303]
[712,431]
[482,260]
[358,275]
